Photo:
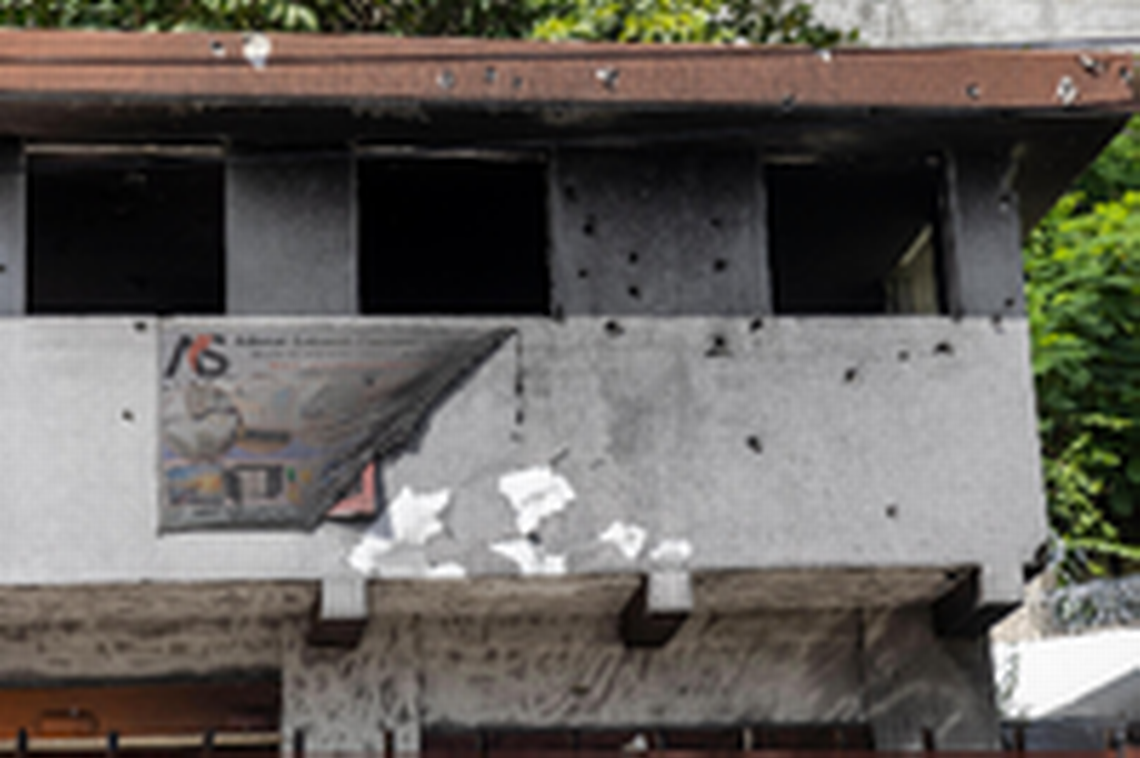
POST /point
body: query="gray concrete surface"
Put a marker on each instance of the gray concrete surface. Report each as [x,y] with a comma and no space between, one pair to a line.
[498,653]
[982,233]
[13,222]
[666,231]
[302,209]
[941,22]
[889,443]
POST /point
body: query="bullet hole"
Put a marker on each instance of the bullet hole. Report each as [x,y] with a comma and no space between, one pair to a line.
[718,348]
[943,348]
[996,322]
[583,273]
[755,325]
[1067,91]
[716,223]
[590,227]
[140,326]
[633,257]
[892,511]
[1091,65]
[634,292]
[571,193]
[951,576]
[1126,73]
[850,375]
[719,265]
[516,83]
[490,75]
[534,538]
[3,269]
[128,415]
[789,101]
[445,80]
[754,444]
[904,356]
[973,91]
[608,77]
[614,329]
[217,49]
[580,690]
[1010,302]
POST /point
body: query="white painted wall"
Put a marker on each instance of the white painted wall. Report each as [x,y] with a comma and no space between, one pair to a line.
[902,23]
[886,443]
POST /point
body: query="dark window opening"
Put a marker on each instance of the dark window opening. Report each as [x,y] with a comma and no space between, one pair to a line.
[125,234]
[453,236]
[854,240]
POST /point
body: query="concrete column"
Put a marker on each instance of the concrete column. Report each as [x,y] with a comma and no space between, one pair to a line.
[351,702]
[676,232]
[13,234]
[982,235]
[291,232]
[916,682]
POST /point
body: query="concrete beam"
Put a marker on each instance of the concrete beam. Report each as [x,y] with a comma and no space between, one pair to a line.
[971,607]
[657,609]
[13,234]
[921,690]
[982,235]
[291,232]
[406,740]
[670,232]
[340,614]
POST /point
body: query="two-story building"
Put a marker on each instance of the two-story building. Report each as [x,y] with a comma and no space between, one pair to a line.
[459,396]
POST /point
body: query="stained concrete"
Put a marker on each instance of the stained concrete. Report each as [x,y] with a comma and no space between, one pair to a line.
[13,234]
[982,231]
[291,230]
[788,444]
[672,232]
[556,671]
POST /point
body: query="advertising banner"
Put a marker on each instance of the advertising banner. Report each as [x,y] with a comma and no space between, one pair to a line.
[272,425]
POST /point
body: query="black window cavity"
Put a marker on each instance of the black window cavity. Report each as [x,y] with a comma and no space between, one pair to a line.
[853,239]
[125,234]
[453,236]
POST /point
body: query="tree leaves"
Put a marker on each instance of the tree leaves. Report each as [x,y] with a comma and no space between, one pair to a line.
[1083,295]
[762,21]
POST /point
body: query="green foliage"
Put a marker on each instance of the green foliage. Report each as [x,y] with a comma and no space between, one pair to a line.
[1083,267]
[479,18]
[761,21]
[755,21]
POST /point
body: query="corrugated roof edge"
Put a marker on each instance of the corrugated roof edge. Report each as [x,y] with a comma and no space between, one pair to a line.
[469,73]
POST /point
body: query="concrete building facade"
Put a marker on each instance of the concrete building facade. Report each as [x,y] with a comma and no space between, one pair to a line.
[704,403]
[904,23]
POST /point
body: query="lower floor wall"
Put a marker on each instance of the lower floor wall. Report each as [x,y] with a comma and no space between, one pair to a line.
[417,675]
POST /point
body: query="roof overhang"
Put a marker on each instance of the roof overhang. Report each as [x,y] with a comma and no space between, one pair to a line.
[1055,108]
[311,70]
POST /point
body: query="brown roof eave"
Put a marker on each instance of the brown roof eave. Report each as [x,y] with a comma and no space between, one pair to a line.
[228,70]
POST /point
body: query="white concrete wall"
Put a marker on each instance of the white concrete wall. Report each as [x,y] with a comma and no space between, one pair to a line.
[797,443]
[902,23]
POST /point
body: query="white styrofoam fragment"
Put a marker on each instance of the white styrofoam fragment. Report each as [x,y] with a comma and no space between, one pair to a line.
[629,539]
[535,494]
